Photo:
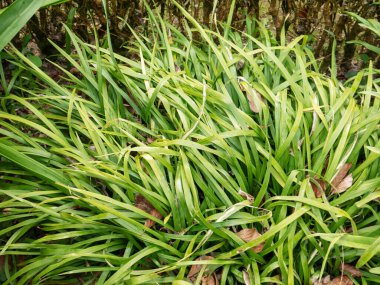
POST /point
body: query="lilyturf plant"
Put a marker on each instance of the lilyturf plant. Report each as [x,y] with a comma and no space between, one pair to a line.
[197,157]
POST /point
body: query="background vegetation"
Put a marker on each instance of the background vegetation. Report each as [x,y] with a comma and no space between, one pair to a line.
[324,22]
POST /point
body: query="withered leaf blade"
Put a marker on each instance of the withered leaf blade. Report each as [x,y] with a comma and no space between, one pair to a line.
[150,223]
[341,280]
[318,185]
[254,97]
[143,204]
[210,280]
[343,185]
[342,181]
[252,105]
[248,235]
[246,196]
[194,270]
[247,281]
[352,270]
[324,281]
[341,174]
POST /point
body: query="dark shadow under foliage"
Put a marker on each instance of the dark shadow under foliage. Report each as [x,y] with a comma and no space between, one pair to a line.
[319,18]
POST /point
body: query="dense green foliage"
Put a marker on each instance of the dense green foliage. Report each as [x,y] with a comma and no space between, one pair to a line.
[133,170]
[14,17]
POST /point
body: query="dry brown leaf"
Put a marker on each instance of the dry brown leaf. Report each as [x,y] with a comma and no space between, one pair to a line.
[344,185]
[352,270]
[210,280]
[342,181]
[194,270]
[150,223]
[316,189]
[248,235]
[341,174]
[245,195]
[149,140]
[341,280]
[324,281]
[143,204]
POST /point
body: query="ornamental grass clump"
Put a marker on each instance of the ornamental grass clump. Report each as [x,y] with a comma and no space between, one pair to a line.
[200,158]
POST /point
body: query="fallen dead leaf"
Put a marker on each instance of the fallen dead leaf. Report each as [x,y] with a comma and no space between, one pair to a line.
[324,281]
[341,280]
[342,181]
[352,270]
[341,174]
[194,270]
[344,185]
[247,196]
[150,223]
[210,280]
[143,204]
[248,235]
[318,185]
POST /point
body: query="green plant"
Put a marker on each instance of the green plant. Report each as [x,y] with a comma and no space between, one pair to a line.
[371,24]
[164,168]
[14,17]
